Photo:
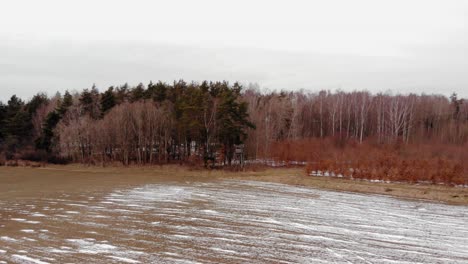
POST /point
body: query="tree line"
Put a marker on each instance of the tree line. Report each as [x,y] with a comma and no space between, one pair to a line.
[157,123]
[359,116]
[209,121]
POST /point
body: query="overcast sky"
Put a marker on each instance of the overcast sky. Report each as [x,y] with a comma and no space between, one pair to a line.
[402,46]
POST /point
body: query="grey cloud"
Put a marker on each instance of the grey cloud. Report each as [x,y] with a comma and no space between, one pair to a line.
[29,67]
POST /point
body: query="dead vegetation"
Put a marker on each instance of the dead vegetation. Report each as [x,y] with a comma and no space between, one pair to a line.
[400,162]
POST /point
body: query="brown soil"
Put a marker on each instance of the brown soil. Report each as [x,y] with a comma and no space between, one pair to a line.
[17,182]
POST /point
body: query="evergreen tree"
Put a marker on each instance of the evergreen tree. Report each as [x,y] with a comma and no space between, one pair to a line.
[176,96]
[232,119]
[160,92]
[121,94]
[191,119]
[45,141]
[157,91]
[37,101]
[13,107]
[137,93]
[17,124]
[65,104]
[89,102]
[3,109]
[149,91]
[107,100]
[86,102]
[52,119]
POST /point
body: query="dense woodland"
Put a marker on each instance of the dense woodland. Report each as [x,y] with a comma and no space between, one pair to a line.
[209,122]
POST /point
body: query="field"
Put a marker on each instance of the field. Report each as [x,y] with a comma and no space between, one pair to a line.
[172,214]
[25,181]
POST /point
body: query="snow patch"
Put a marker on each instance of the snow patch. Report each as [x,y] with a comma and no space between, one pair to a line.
[33,222]
[126,260]
[90,247]
[38,215]
[18,219]
[5,238]
[37,261]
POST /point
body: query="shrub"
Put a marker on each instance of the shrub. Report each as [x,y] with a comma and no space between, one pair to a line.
[2,159]
[431,162]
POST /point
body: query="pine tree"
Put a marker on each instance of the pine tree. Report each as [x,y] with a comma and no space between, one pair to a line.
[3,109]
[53,118]
[65,104]
[232,119]
[86,101]
[89,102]
[37,101]
[157,91]
[45,141]
[121,94]
[13,108]
[17,124]
[150,90]
[191,119]
[107,100]
[137,93]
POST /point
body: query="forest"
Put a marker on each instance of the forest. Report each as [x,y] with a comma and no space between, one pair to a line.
[357,134]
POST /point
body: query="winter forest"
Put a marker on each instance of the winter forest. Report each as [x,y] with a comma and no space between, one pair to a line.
[356,134]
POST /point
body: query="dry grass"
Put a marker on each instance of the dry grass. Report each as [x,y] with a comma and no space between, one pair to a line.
[429,192]
[29,182]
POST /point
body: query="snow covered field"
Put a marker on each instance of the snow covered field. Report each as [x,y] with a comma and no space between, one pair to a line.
[231,221]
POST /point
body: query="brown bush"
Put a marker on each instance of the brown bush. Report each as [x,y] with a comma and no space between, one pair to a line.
[2,159]
[12,163]
[431,162]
